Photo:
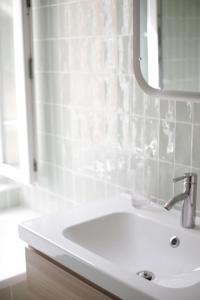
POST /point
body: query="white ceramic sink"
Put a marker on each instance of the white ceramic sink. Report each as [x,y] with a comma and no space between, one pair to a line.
[135,243]
[109,242]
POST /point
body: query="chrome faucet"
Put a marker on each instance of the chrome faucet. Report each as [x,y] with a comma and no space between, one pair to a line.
[189,199]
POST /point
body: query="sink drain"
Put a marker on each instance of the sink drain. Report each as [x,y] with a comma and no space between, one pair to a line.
[146,275]
[174,242]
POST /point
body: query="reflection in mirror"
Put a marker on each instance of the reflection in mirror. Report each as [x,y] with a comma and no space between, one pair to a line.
[170,44]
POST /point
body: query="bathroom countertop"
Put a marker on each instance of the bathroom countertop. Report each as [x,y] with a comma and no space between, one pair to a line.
[46,234]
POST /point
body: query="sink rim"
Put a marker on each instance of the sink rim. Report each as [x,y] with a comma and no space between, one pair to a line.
[38,235]
[75,232]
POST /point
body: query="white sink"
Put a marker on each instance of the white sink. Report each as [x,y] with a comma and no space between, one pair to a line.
[109,243]
[135,243]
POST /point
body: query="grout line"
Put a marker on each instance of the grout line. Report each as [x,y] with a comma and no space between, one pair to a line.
[158,163]
[109,72]
[174,160]
[103,37]
[57,4]
[145,123]
[192,135]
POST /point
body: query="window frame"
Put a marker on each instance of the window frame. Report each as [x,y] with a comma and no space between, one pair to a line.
[25,173]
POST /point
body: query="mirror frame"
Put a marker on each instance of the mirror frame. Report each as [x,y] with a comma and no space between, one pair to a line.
[156,93]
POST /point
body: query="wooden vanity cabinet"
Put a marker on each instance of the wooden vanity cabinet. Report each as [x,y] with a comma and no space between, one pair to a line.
[49,280]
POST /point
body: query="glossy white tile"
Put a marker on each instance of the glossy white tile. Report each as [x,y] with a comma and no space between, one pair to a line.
[97,133]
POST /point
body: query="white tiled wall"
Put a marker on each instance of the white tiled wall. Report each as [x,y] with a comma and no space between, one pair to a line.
[98,133]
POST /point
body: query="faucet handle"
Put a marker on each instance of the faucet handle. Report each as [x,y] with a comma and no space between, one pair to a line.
[191,177]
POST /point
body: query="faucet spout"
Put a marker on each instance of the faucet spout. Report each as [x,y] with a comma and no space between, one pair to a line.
[189,199]
[169,204]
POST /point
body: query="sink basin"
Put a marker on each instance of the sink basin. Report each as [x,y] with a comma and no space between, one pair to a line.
[135,243]
[118,247]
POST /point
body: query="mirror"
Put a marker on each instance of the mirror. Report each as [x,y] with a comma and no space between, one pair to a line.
[166,40]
